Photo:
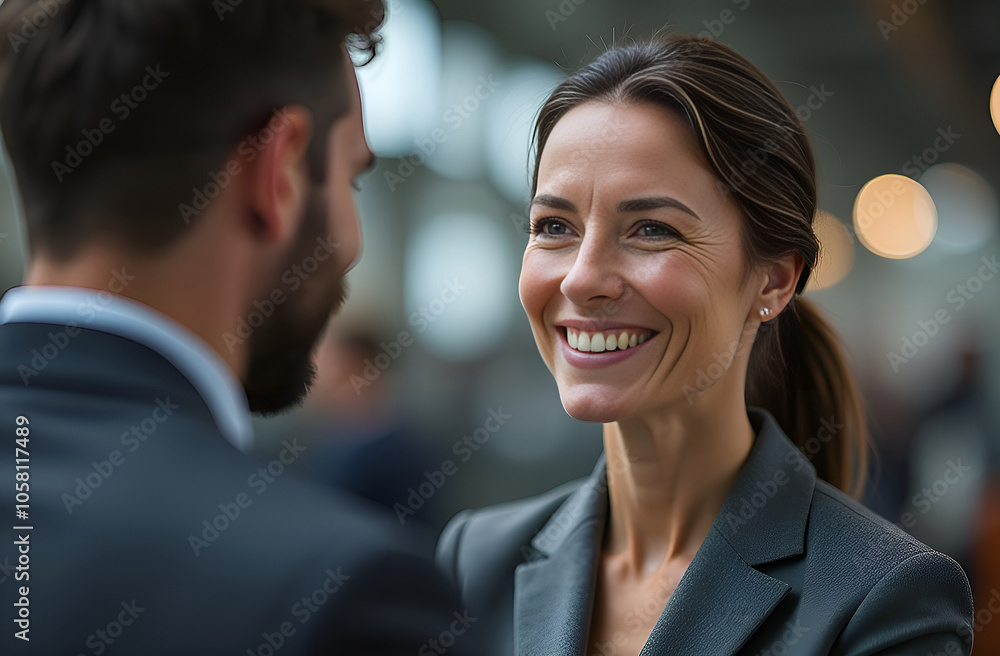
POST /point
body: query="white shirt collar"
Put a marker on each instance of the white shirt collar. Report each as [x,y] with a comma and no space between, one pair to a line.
[133,320]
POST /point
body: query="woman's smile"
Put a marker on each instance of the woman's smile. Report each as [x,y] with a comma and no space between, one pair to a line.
[586,345]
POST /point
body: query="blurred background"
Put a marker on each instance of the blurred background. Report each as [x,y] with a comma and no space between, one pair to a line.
[432,396]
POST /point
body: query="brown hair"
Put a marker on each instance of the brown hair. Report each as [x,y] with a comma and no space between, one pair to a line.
[115,111]
[759,150]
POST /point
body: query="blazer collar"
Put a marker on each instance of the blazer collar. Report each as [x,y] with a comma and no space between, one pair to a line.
[721,599]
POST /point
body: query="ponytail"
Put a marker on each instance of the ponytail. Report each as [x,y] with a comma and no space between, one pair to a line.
[799,374]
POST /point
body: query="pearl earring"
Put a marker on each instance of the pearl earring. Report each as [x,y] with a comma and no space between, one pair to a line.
[765,312]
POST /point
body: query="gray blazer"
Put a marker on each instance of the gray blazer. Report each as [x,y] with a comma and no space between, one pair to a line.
[791,565]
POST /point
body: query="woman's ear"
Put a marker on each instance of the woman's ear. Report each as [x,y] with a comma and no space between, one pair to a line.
[781,279]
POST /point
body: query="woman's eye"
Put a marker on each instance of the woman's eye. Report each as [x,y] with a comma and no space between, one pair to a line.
[550,227]
[653,229]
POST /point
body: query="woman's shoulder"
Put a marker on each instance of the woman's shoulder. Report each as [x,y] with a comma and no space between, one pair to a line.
[850,529]
[883,570]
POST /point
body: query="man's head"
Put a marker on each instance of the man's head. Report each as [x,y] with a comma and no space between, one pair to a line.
[193,134]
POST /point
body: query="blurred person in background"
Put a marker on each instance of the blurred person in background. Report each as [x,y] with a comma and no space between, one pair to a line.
[357,439]
[673,199]
[185,169]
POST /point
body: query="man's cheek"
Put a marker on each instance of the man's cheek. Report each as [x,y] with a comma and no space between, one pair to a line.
[347,235]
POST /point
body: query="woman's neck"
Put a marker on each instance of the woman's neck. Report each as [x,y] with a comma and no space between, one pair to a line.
[668,476]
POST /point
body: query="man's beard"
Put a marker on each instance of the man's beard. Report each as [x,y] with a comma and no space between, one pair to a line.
[280,366]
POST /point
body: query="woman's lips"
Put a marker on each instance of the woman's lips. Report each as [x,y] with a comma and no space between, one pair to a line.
[606,340]
[591,348]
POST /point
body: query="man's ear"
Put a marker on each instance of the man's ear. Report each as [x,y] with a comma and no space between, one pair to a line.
[781,278]
[279,174]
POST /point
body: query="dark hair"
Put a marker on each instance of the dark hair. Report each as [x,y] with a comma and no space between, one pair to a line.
[759,150]
[115,112]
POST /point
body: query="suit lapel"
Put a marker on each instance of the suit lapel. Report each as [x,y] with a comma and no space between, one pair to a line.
[718,604]
[554,590]
[721,600]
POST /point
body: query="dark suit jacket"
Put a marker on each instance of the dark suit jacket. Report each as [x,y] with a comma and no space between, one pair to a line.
[791,565]
[295,571]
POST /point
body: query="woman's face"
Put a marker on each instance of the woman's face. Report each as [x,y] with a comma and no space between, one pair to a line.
[634,236]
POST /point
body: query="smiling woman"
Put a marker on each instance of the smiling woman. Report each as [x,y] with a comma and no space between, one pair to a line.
[674,195]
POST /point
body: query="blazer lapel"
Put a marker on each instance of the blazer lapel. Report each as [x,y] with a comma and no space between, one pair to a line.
[722,599]
[718,604]
[554,590]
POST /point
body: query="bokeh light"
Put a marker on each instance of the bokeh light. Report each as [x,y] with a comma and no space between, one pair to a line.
[836,252]
[995,104]
[457,284]
[399,88]
[470,56]
[966,204]
[894,216]
[525,86]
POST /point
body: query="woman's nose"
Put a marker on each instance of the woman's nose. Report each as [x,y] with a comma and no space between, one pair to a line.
[595,274]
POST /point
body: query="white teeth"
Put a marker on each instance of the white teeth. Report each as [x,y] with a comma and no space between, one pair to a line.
[599,342]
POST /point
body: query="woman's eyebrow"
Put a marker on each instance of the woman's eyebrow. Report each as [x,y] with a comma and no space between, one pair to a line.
[633,205]
[553,202]
[653,203]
